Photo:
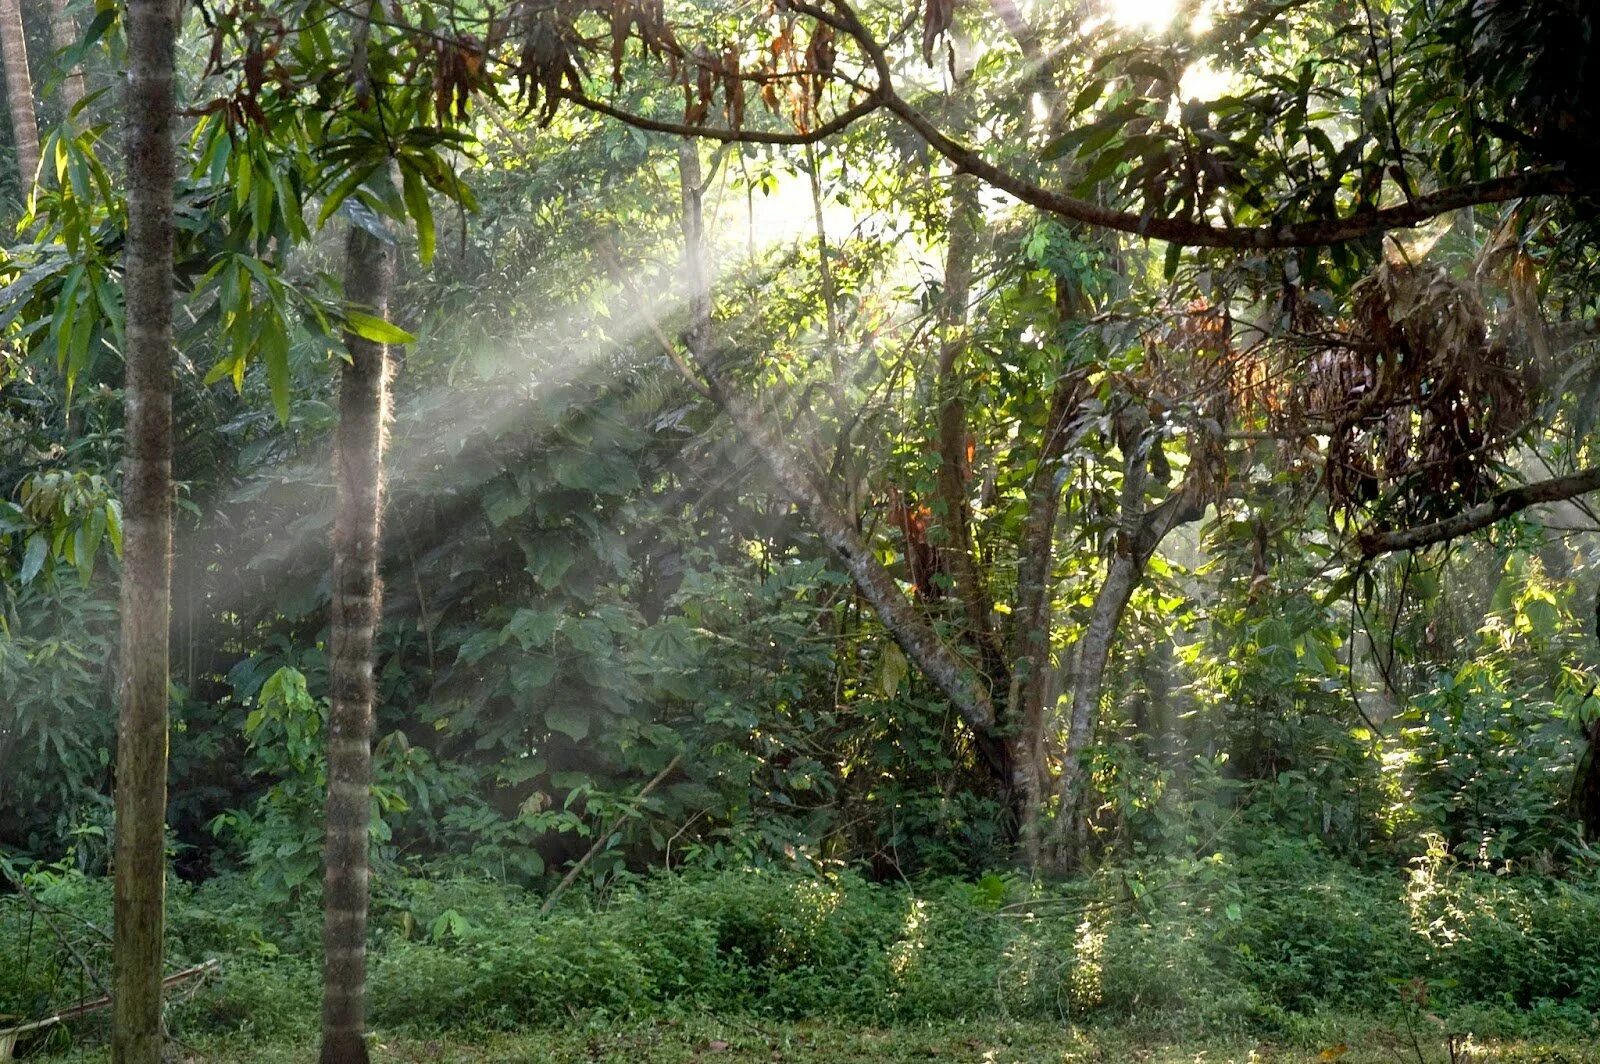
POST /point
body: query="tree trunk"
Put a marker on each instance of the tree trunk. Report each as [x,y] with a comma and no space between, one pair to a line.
[1122,577]
[141,798]
[1139,533]
[19,90]
[63,35]
[357,597]
[955,679]
[1033,619]
[971,589]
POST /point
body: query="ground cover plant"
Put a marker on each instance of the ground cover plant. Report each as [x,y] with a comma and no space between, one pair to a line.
[1286,948]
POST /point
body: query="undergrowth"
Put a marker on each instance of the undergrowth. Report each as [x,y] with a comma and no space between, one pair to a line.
[1263,945]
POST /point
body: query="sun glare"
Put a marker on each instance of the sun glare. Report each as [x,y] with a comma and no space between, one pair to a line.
[1202,81]
[1144,14]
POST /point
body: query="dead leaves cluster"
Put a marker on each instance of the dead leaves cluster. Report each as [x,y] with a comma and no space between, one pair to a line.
[1422,403]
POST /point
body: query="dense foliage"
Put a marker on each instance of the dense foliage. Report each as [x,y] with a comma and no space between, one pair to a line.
[1109,555]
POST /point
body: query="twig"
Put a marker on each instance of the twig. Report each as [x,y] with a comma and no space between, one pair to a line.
[8,1036]
[33,903]
[600,843]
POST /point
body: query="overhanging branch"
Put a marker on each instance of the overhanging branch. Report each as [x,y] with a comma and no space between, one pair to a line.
[827,129]
[1316,233]
[1496,508]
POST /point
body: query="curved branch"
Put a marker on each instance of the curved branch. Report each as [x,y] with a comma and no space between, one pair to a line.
[1496,508]
[1315,233]
[827,129]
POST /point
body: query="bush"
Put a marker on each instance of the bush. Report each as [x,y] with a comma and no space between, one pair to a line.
[1265,944]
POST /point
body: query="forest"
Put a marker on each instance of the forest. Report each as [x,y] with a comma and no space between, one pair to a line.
[800,531]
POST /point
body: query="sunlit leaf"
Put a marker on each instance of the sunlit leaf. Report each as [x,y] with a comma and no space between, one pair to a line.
[376,329]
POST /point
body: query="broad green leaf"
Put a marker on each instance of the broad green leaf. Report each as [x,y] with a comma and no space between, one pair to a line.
[33,557]
[533,628]
[369,327]
[569,720]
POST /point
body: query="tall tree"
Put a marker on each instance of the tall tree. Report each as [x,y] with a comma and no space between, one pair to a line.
[19,90]
[147,536]
[357,600]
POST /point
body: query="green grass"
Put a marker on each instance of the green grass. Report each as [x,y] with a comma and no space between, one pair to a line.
[709,1040]
[1259,959]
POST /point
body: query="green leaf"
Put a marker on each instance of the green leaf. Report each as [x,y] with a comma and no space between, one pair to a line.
[376,329]
[86,547]
[569,721]
[342,191]
[895,668]
[416,196]
[114,525]
[33,558]
[504,500]
[548,559]
[275,353]
[533,628]
[224,368]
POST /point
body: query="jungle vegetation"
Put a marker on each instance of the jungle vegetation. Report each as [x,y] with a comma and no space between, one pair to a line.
[988,515]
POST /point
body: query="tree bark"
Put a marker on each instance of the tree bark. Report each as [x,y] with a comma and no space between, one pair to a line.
[19,91]
[1496,508]
[955,678]
[357,605]
[1034,619]
[955,521]
[1139,533]
[63,35]
[141,796]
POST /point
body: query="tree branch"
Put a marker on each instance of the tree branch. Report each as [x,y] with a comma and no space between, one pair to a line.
[1374,542]
[827,129]
[1317,233]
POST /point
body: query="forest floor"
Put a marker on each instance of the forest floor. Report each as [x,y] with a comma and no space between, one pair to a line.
[738,1041]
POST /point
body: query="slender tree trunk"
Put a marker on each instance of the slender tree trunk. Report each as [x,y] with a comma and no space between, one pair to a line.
[1034,618]
[955,679]
[955,521]
[19,90]
[63,35]
[147,536]
[1110,603]
[1139,534]
[357,600]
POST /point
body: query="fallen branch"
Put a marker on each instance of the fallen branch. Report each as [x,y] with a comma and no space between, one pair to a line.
[9,1036]
[600,843]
